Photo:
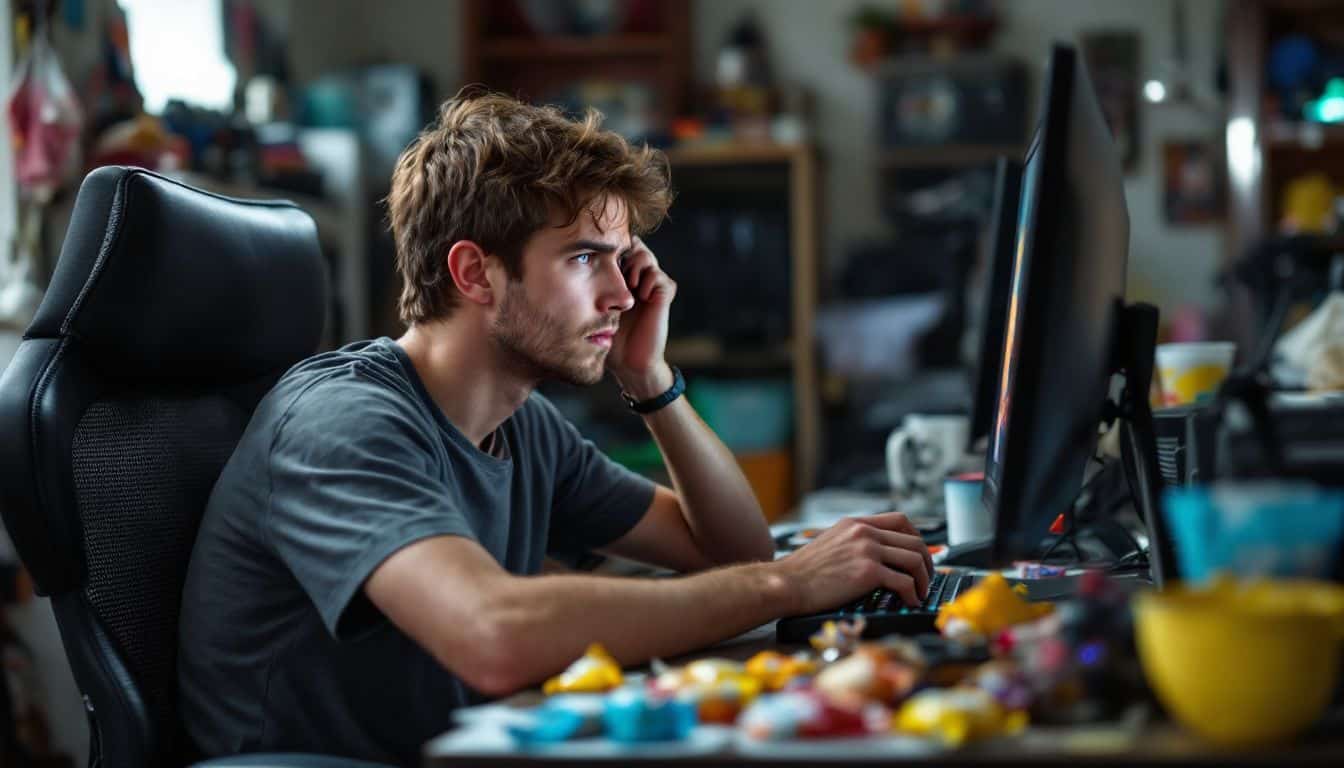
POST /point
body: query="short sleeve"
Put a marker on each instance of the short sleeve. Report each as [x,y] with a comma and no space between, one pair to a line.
[352,482]
[596,500]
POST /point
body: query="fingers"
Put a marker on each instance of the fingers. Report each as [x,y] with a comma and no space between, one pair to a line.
[913,544]
[911,564]
[898,522]
[645,279]
[640,260]
[902,584]
[890,521]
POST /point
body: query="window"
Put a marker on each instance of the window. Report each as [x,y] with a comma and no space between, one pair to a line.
[177,50]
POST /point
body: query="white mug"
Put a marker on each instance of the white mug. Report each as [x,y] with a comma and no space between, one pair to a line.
[923,450]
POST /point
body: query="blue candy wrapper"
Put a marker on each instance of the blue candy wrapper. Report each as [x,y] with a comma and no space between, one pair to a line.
[634,715]
[561,718]
[1263,529]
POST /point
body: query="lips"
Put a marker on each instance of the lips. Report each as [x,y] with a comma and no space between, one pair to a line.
[602,338]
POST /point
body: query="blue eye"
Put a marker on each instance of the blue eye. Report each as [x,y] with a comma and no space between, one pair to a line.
[583,258]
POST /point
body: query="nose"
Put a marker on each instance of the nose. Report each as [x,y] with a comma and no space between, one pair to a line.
[615,293]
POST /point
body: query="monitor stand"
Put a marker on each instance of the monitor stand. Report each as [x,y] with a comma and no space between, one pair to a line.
[1132,349]
[1135,342]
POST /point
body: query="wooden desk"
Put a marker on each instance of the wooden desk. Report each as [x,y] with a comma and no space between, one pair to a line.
[1138,739]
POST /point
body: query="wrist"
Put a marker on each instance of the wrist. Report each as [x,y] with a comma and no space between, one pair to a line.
[778,585]
[649,384]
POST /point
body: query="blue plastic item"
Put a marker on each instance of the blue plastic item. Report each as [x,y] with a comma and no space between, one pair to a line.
[634,715]
[560,718]
[1266,529]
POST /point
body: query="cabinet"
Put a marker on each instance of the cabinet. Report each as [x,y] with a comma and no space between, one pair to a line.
[791,173]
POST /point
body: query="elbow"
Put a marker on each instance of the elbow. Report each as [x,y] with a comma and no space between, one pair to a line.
[759,547]
[758,551]
[489,651]
[495,665]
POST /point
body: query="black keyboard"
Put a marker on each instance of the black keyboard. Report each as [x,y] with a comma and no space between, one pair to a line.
[883,611]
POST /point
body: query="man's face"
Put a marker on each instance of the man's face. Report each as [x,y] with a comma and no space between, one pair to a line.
[559,320]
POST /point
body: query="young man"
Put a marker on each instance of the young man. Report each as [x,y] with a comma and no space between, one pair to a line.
[369,558]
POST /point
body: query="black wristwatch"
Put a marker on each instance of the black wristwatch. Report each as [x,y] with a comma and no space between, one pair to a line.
[656,403]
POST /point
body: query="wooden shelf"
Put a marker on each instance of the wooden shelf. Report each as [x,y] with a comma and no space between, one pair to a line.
[947,155]
[691,354]
[1286,134]
[960,25]
[541,48]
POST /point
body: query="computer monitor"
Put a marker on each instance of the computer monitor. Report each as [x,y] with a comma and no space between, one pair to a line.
[1065,307]
[1001,239]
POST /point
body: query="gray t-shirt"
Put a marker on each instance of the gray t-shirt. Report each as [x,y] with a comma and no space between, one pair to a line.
[346,461]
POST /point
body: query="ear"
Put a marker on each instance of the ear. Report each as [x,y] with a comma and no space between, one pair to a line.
[469,266]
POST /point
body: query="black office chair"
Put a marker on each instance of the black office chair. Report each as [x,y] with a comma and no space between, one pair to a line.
[170,313]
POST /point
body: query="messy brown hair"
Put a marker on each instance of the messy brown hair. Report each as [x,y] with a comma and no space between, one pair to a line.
[493,170]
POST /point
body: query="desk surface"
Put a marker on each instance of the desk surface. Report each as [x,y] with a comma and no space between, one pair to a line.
[1137,739]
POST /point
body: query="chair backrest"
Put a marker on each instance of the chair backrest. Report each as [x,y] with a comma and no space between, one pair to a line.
[170,313]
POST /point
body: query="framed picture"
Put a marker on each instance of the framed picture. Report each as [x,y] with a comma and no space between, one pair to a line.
[1192,188]
[1112,58]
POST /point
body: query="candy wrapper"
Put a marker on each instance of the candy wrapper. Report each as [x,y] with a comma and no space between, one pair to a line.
[837,638]
[719,689]
[874,672]
[987,608]
[957,716]
[560,718]
[775,671]
[634,714]
[593,672]
[1006,682]
[802,714]
[669,680]
[1080,658]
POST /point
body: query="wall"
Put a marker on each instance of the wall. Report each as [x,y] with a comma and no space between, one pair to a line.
[809,42]
[327,35]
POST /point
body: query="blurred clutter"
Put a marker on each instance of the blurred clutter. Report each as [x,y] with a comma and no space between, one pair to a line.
[1000,664]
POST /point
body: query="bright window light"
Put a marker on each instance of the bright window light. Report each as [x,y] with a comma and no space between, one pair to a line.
[1243,157]
[177,49]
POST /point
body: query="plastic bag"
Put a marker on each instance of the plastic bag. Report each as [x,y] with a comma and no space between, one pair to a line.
[45,121]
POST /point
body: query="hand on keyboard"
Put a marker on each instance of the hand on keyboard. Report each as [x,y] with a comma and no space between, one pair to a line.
[856,556]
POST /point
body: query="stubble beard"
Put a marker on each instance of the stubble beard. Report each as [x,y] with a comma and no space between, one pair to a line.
[540,347]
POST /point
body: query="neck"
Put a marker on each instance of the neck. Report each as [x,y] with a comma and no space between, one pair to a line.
[463,373]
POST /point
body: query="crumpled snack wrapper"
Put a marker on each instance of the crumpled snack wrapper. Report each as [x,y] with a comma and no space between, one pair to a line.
[1313,351]
[593,672]
[1327,374]
[957,716]
[988,608]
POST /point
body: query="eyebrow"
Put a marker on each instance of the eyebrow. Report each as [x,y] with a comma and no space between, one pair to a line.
[593,245]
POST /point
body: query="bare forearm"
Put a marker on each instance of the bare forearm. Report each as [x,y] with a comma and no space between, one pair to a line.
[720,509]
[545,622]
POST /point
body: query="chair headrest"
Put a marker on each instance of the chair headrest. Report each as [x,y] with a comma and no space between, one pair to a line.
[159,280]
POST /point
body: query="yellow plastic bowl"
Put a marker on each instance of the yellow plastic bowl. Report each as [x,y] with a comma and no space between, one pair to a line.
[1243,665]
